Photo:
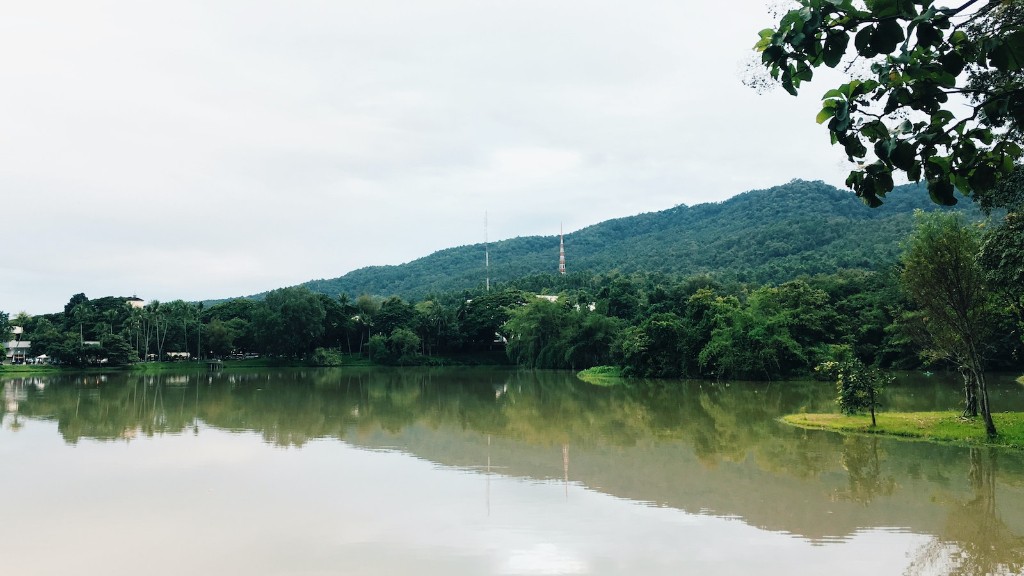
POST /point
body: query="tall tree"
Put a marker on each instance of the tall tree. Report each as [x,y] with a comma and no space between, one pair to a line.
[537,334]
[942,275]
[291,321]
[5,334]
[912,65]
[1002,255]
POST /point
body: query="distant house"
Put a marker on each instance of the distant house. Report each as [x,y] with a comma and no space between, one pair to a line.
[136,302]
[17,351]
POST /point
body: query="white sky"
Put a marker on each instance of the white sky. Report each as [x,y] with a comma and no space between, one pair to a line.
[208,149]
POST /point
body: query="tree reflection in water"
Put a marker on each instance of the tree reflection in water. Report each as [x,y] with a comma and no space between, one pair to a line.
[975,540]
[861,459]
[702,447]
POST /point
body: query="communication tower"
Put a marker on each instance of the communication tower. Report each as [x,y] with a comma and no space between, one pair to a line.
[561,250]
[487,255]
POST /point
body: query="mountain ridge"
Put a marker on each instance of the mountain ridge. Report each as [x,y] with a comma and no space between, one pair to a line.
[767,236]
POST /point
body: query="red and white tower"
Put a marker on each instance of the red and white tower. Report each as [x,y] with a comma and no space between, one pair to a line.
[561,251]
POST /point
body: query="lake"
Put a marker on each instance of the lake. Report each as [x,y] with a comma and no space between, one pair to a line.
[487,471]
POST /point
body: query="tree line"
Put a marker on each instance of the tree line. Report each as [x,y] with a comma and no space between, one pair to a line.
[651,325]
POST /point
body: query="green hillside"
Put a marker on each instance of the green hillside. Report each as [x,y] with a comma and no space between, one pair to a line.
[760,236]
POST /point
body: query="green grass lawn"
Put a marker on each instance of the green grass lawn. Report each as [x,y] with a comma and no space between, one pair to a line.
[932,426]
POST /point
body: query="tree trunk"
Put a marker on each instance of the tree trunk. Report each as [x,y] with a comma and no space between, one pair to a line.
[970,393]
[981,387]
[986,412]
[871,393]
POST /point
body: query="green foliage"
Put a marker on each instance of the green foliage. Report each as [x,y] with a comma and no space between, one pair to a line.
[780,331]
[651,324]
[403,345]
[326,357]
[934,426]
[482,317]
[117,350]
[290,322]
[764,236]
[1002,257]
[652,348]
[942,275]
[858,385]
[377,349]
[537,334]
[899,119]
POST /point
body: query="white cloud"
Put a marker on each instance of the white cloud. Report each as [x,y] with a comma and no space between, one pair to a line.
[250,145]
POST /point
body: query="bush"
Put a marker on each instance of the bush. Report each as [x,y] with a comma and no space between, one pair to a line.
[857,384]
[326,357]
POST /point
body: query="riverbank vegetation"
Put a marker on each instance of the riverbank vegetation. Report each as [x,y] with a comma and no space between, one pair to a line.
[934,426]
[647,325]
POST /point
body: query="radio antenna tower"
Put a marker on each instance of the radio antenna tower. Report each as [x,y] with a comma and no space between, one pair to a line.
[487,254]
[561,250]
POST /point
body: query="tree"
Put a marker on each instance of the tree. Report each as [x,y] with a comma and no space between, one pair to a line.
[367,307]
[858,385]
[435,325]
[118,351]
[652,349]
[403,344]
[924,62]
[592,342]
[1002,256]
[942,276]
[483,316]
[394,313]
[290,322]
[5,334]
[536,334]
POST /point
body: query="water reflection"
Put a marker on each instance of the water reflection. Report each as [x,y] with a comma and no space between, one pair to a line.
[862,461]
[974,539]
[713,449]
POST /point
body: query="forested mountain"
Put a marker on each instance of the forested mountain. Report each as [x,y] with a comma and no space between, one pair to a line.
[762,236]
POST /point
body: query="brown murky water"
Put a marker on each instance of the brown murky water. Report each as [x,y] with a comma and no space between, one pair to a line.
[475,471]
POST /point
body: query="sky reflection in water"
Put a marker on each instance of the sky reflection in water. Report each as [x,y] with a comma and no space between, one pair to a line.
[426,487]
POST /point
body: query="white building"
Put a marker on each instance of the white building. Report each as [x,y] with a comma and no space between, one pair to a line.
[17,351]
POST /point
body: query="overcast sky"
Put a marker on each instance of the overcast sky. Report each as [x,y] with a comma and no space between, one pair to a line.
[208,149]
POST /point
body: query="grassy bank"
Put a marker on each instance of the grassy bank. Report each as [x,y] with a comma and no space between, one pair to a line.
[932,426]
[601,375]
[28,370]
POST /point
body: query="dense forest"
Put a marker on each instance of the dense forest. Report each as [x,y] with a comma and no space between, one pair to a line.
[763,236]
[650,325]
[679,319]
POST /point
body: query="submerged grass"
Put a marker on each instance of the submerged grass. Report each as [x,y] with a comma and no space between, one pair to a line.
[932,426]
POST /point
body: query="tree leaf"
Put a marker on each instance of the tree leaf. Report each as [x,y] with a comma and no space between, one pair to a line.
[941,192]
[887,36]
[1009,55]
[862,42]
[835,48]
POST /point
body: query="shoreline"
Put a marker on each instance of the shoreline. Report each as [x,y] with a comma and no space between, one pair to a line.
[939,427]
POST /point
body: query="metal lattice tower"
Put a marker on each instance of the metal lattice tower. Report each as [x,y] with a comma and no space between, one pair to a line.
[561,250]
[487,255]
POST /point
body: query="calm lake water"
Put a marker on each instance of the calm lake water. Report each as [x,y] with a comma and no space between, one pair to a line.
[478,471]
